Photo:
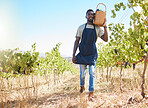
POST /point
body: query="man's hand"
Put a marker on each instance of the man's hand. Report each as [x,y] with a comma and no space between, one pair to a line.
[104,25]
[74,59]
[105,35]
[76,44]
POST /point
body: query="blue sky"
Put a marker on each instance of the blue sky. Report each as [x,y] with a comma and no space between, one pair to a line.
[47,22]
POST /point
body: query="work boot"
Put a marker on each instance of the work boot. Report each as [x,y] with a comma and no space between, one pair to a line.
[82,89]
[91,97]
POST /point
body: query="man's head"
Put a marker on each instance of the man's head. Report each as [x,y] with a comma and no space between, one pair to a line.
[90,15]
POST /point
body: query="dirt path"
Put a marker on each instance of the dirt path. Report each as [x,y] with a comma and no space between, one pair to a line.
[67,90]
[66,95]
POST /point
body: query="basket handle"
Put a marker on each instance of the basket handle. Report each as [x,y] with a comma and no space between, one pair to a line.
[102,4]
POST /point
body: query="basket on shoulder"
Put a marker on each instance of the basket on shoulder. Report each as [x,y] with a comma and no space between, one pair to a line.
[100,16]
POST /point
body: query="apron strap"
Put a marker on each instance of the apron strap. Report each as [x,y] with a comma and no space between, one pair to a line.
[94,26]
[85,25]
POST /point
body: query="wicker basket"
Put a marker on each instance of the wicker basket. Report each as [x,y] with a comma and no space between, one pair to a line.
[100,16]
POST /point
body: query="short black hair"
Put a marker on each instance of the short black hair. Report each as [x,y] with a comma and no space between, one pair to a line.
[89,10]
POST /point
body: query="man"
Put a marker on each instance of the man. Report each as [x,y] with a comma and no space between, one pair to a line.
[86,38]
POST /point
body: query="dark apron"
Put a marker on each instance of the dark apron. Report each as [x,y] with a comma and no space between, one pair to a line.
[88,51]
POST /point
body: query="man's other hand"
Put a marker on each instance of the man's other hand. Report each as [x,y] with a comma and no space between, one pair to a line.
[74,59]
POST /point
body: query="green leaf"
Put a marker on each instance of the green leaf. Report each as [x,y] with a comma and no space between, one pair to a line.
[124,7]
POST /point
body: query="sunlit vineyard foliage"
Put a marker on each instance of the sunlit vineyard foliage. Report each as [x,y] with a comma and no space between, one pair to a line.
[131,44]
[19,63]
